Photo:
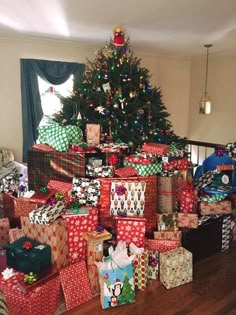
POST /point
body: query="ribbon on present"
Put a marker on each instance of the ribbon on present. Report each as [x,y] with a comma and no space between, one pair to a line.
[75,207]
[100,228]
[120,190]
[8,273]
[27,245]
[44,190]
[59,196]
[30,278]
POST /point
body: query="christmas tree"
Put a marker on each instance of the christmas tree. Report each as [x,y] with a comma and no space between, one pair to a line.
[128,293]
[116,93]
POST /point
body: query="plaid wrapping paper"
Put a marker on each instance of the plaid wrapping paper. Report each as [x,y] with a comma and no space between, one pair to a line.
[162,245]
[15,207]
[167,193]
[178,164]
[167,221]
[150,201]
[176,267]
[221,207]
[131,230]
[189,220]
[146,169]
[159,149]
[44,299]
[77,225]
[15,234]
[55,235]
[4,232]
[45,166]
[168,235]
[140,264]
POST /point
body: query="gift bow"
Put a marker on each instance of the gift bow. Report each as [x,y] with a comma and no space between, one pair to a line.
[120,190]
[44,190]
[30,278]
[153,261]
[27,245]
[8,273]
[113,159]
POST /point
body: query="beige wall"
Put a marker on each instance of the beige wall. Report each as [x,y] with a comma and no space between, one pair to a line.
[172,75]
[220,126]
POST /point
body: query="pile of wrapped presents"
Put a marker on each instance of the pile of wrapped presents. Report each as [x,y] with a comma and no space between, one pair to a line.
[105,219]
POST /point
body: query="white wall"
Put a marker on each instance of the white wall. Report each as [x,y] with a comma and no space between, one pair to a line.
[172,75]
[220,126]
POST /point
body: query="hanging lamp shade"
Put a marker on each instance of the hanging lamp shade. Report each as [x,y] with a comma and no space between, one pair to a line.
[205,105]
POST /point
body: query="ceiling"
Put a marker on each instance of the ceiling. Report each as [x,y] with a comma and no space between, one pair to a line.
[174,27]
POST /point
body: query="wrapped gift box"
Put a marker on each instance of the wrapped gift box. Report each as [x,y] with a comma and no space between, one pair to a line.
[4,232]
[44,299]
[168,235]
[155,148]
[15,234]
[153,264]
[45,166]
[126,171]
[55,235]
[42,198]
[93,133]
[167,221]
[162,245]
[94,254]
[77,225]
[145,169]
[34,259]
[131,230]
[75,285]
[86,191]
[127,197]
[180,164]
[61,187]
[105,216]
[15,207]
[47,214]
[189,220]
[188,199]
[221,207]
[205,240]
[140,264]
[99,171]
[167,193]
[176,267]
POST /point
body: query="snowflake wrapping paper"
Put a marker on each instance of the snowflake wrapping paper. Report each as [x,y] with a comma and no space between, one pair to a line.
[176,267]
[155,148]
[86,191]
[131,230]
[44,299]
[77,225]
[188,200]
[178,164]
[75,285]
[62,187]
[4,232]
[55,235]
[167,221]
[131,200]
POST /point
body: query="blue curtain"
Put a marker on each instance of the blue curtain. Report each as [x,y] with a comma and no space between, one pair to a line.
[55,72]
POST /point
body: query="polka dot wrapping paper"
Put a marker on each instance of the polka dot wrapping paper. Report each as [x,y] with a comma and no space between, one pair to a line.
[75,285]
[140,263]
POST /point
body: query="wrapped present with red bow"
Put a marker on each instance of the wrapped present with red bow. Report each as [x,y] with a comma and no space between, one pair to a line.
[155,148]
[189,199]
[139,160]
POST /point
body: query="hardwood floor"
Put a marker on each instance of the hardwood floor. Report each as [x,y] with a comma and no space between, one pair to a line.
[213,291]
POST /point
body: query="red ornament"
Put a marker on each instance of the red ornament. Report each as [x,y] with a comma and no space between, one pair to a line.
[27,245]
[119,39]
[113,159]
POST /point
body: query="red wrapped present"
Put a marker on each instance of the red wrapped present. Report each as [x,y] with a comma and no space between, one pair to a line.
[127,171]
[189,220]
[168,235]
[138,160]
[75,285]
[43,299]
[42,198]
[189,199]
[94,254]
[105,216]
[93,133]
[55,235]
[44,166]
[77,225]
[15,207]
[162,245]
[131,230]
[61,187]
[178,164]
[221,207]
[4,232]
[155,148]
[15,234]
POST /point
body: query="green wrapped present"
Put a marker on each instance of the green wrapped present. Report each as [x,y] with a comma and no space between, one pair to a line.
[28,255]
[146,169]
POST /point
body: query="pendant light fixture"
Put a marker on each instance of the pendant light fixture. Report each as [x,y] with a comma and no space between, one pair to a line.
[205,103]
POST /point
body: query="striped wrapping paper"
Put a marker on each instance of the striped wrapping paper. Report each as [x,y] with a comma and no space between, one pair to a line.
[45,166]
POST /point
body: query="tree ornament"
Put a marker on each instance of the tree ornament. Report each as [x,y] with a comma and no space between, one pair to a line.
[116,105]
[132,94]
[126,124]
[122,102]
[119,39]
[130,144]
[140,111]
[143,137]
[79,117]
[100,109]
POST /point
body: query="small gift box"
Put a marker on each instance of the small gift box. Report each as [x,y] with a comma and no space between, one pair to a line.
[167,221]
[180,164]
[189,199]
[189,220]
[86,191]
[222,207]
[145,169]
[162,245]
[42,197]
[155,148]
[96,162]
[93,133]
[47,214]
[168,235]
[176,267]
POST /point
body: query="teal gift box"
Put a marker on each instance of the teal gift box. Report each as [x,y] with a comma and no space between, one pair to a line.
[34,259]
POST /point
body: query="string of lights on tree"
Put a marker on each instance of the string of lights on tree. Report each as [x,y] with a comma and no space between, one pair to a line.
[116,93]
